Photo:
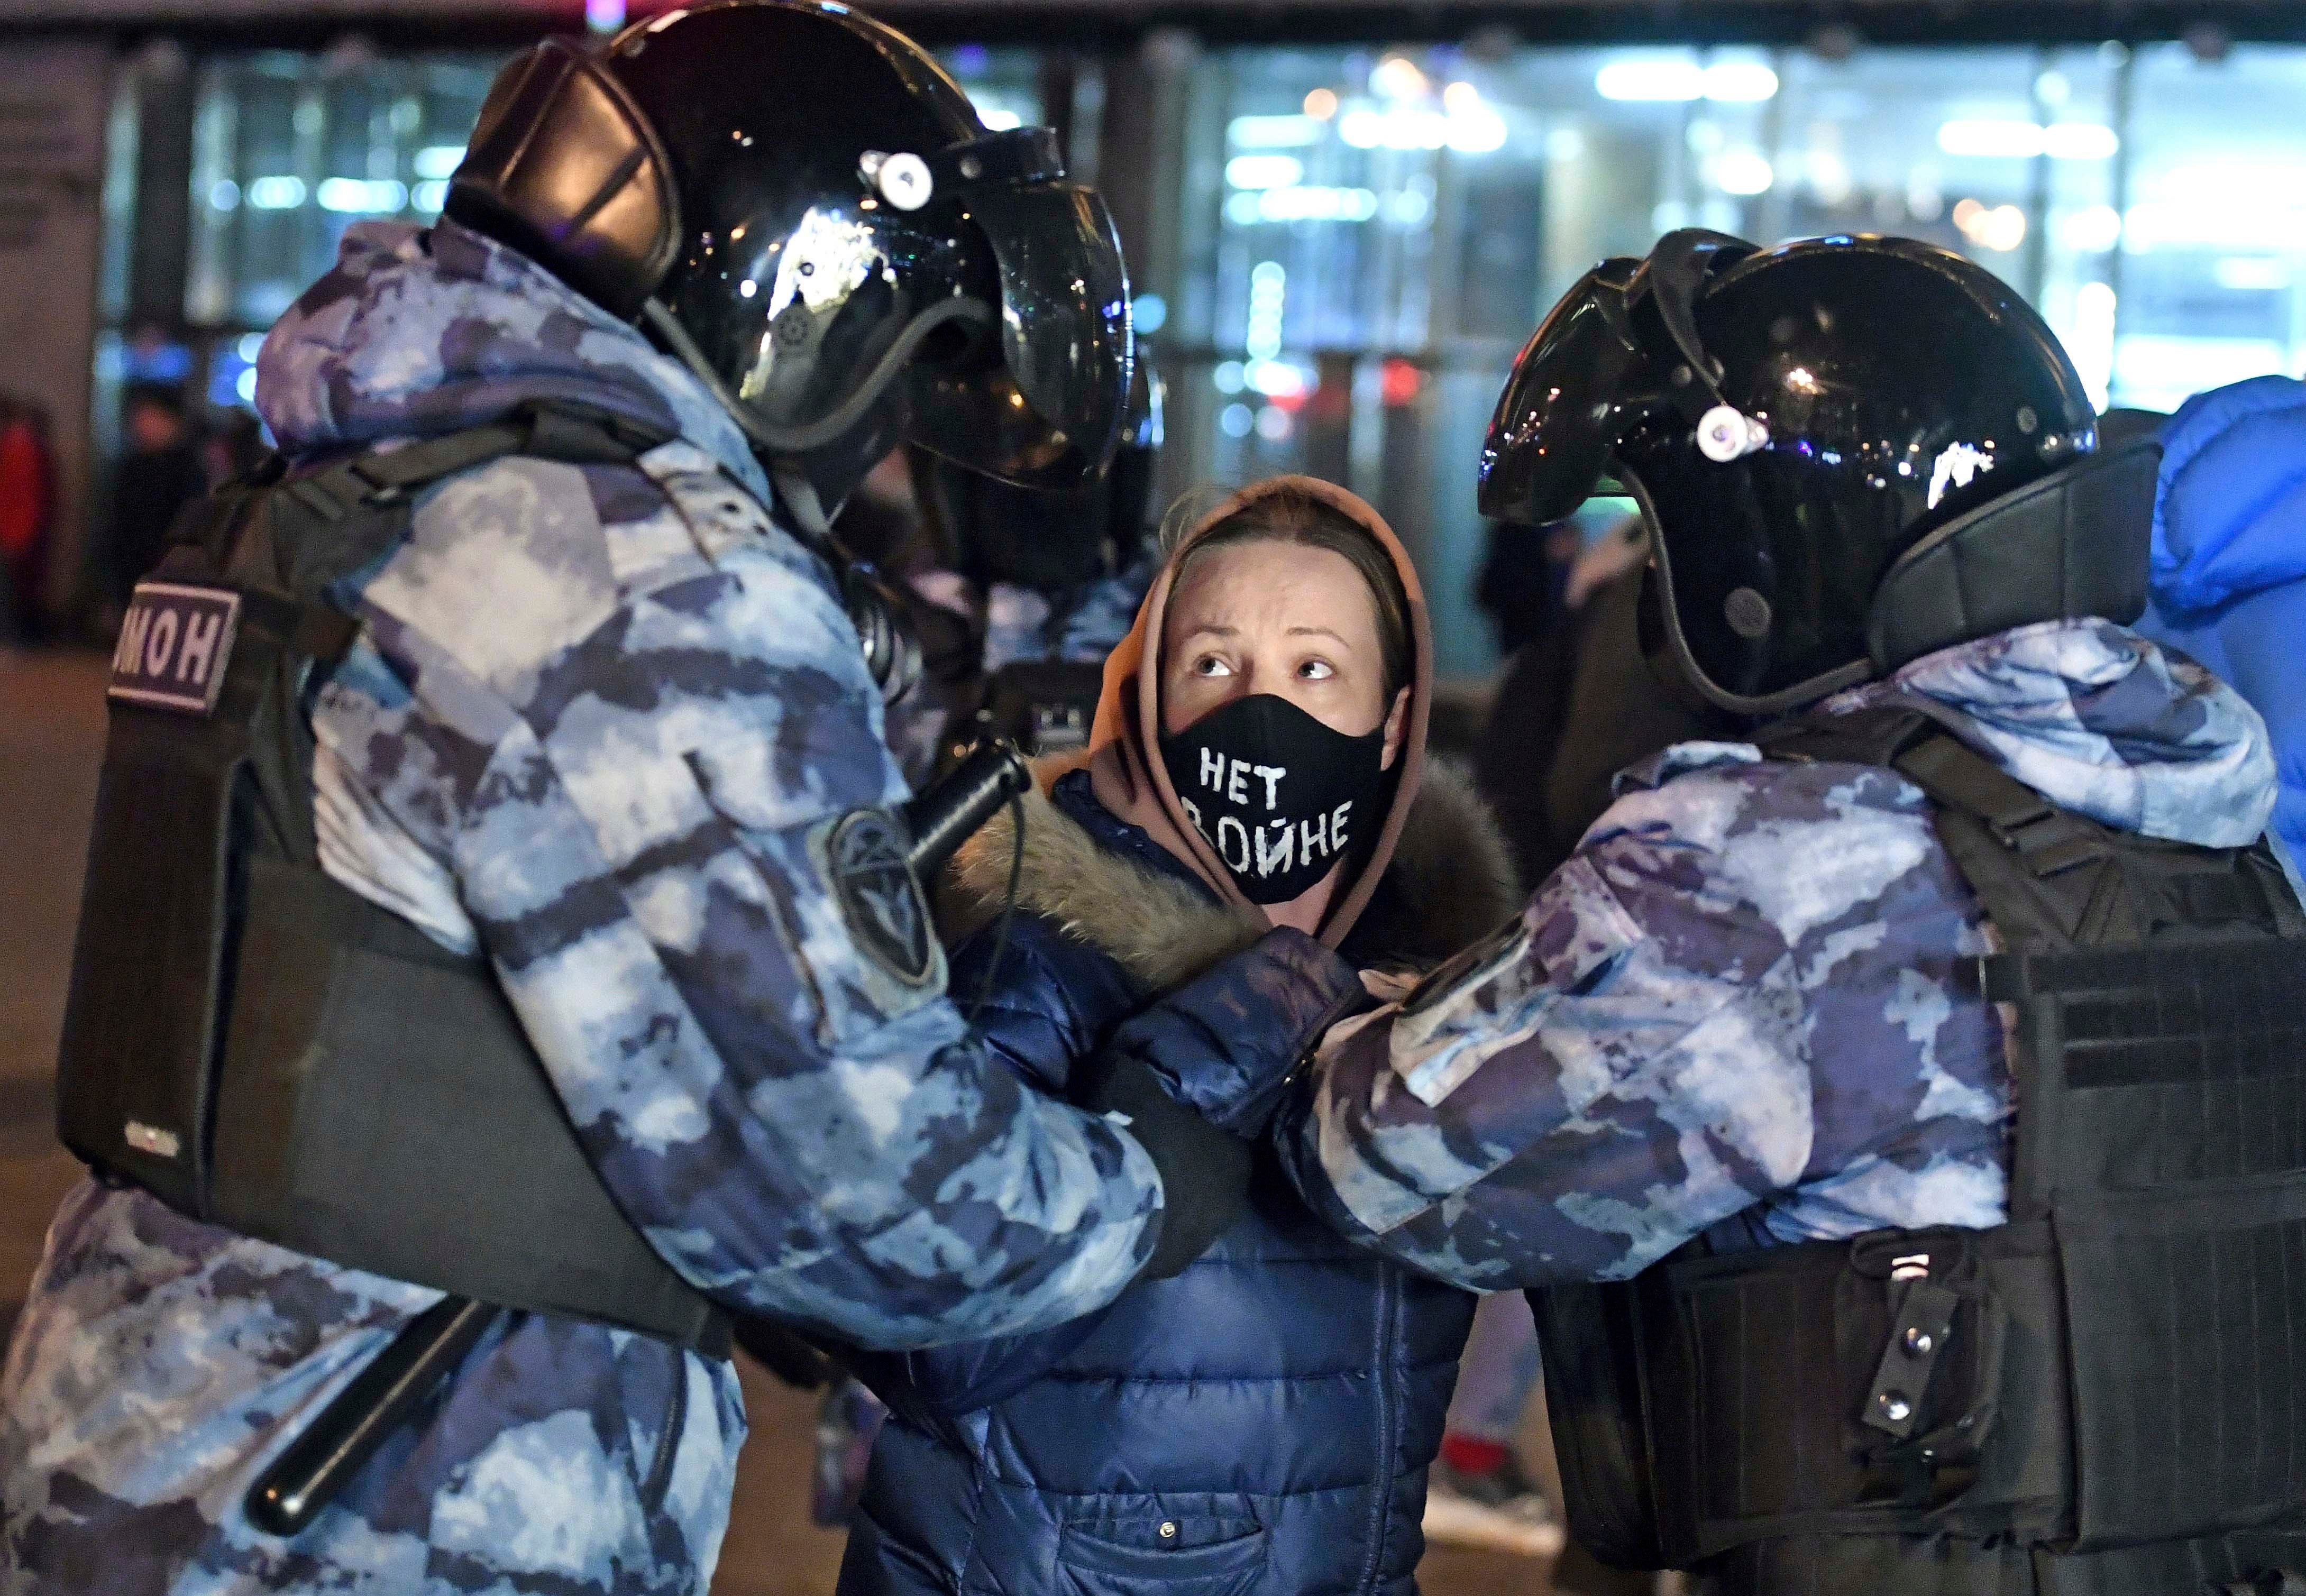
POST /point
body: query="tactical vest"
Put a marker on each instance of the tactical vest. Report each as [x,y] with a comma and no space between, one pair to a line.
[259,1047]
[2103,1396]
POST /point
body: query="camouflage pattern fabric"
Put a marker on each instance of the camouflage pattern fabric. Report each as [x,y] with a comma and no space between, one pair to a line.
[598,722]
[1747,1004]
[1080,624]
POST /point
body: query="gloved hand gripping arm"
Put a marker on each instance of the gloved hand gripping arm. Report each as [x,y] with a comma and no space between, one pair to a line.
[1217,1042]
[1207,1066]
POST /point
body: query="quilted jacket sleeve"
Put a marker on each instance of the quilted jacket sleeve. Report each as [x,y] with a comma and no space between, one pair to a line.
[1048,1002]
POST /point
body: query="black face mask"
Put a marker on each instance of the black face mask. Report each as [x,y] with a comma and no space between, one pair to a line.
[1280,796]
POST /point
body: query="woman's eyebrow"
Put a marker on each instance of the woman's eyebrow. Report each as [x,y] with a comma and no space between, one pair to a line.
[1319,632]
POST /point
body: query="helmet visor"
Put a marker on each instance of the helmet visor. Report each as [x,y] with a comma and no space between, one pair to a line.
[1565,405]
[1049,415]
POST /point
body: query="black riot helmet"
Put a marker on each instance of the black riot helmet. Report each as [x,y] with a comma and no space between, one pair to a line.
[1851,451]
[1049,539]
[800,204]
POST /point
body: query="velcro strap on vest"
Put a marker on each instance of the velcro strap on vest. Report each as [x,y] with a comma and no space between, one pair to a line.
[2048,838]
[1864,1388]
[575,434]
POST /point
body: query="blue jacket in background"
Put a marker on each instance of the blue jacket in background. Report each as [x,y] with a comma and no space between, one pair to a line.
[2229,566]
[1260,1422]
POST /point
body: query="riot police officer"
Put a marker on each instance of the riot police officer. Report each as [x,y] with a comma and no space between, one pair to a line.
[499,942]
[1846,1283]
[1040,584]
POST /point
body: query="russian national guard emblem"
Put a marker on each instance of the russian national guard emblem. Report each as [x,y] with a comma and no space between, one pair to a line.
[879,897]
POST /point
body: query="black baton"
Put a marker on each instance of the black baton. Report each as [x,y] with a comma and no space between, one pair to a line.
[947,814]
[318,1464]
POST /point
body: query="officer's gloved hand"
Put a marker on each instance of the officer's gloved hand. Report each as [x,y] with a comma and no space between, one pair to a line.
[1203,1069]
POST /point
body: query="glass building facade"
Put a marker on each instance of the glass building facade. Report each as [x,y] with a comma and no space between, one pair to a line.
[1345,246]
[289,149]
[1369,235]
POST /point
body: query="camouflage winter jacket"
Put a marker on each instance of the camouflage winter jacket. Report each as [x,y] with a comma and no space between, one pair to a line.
[594,722]
[1737,1005]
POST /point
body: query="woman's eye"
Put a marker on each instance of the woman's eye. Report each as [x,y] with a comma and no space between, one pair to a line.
[1316,670]
[1210,665]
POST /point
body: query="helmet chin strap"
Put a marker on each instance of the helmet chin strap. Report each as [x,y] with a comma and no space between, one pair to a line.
[773,438]
[893,655]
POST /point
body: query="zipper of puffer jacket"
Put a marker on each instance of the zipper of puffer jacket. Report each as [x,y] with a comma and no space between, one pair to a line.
[1381,1498]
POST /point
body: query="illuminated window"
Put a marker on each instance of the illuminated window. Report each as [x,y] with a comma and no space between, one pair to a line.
[1374,232]
[290,149]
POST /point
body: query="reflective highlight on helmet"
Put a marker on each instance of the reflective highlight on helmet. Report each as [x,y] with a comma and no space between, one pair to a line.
[1562,408]
[1792,422]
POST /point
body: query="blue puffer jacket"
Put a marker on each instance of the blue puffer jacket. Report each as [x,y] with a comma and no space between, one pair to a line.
[1262,1422]
[2229,569]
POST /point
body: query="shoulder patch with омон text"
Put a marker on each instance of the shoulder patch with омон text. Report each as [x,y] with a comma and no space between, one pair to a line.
[174,643]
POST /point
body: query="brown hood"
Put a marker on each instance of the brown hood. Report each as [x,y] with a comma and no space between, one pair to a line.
[1123,758]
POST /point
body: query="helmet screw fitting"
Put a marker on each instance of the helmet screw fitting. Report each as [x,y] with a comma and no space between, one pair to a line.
[1747,613]
[903,179]
[1726,434]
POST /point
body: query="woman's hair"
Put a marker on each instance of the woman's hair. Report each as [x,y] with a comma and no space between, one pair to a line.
[1288,516]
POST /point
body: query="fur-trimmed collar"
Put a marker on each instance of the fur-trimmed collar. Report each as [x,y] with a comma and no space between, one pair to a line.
[1451,880]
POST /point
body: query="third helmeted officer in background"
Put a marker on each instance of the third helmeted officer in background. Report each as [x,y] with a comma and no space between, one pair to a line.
[497,916]
[1901,1111]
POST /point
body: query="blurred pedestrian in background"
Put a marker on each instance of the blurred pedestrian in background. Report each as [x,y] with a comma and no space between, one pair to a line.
[1479,1494]
[1578,702]
[1524,579]
[232,447]
[27,510]
[161,470]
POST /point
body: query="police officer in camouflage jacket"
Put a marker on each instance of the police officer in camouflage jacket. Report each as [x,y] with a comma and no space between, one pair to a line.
[1738,1052]
[604,725]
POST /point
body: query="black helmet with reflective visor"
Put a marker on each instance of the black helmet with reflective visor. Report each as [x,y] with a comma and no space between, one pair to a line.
[1851,451]
[799,203]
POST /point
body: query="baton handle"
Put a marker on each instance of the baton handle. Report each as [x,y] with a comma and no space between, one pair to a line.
[946,814]
[318,1464]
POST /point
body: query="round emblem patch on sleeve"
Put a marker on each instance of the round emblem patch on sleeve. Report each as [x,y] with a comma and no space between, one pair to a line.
[879,898]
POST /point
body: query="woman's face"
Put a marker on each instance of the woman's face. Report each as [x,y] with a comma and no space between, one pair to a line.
[1271,617]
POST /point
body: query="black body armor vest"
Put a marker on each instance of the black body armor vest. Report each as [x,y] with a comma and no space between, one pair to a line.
[2103,1396]
[263,1049]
